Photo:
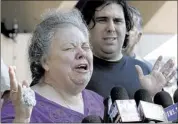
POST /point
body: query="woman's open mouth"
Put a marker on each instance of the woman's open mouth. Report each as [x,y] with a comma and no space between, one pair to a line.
[82,68]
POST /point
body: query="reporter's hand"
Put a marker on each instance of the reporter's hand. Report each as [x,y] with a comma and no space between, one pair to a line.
[22,112]
[159,76]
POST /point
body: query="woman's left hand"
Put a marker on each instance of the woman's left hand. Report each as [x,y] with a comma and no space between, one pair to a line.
[159,76]
[22,112]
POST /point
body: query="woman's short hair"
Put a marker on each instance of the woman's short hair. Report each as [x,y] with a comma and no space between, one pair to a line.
[43,34]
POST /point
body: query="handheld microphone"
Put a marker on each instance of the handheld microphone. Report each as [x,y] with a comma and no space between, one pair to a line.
[118,93]
[92,119]
[123,109]
[143,95]
[175,96]
[107,104]
[163,98]
[149,111]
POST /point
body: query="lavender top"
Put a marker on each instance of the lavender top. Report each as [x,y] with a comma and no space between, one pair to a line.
[47,111]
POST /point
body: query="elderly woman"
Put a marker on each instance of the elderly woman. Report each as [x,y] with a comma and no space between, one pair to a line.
[61,63]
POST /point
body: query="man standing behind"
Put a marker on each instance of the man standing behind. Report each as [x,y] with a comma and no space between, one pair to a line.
[134,36]
[109,22]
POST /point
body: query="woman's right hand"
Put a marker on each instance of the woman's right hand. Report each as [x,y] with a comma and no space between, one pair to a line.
[22,112]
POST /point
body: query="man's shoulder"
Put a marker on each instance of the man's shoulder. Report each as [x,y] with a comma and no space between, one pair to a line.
[145,61]
[142,64]
[135,61]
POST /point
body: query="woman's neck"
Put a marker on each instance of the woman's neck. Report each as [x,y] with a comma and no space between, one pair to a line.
[61,93]
[60,96]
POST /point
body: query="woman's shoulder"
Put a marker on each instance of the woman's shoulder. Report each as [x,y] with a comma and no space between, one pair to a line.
[94,103]
[92,94]
[7,112]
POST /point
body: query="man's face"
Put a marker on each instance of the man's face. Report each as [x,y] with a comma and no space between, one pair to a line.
[108,34]
[134,36]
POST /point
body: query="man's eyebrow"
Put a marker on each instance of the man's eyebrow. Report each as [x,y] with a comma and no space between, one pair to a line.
[105,17]
[102,17]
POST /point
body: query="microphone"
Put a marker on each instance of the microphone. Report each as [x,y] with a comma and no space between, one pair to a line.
[118,93]
[149,111]
[143,95]
[123,109]
[175,96]
[107,104]
[92,119]
[163,98]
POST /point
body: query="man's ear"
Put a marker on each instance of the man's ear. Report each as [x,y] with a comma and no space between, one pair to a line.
[139,37]
[91,24]
[44,62]
[126,40]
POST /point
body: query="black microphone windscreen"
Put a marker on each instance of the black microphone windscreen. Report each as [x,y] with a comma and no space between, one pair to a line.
[143,95]
[119,93]
[92,119]
[105,102]
[163,98]
[175,96]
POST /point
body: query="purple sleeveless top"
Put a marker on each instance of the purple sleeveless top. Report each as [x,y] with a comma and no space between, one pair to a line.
[47,111]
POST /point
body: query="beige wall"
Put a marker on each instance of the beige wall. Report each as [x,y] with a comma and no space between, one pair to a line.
[159,16]
[16,53]
[27,12]
[164,21]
